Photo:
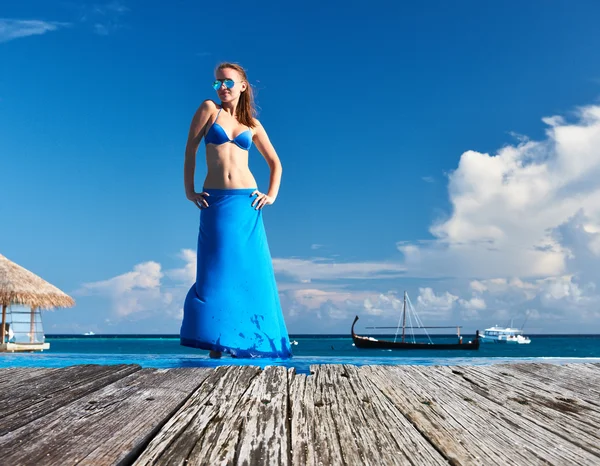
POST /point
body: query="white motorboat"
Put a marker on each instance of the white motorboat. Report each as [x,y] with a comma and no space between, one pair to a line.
[498,334]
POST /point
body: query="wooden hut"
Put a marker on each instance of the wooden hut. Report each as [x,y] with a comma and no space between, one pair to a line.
[23,330]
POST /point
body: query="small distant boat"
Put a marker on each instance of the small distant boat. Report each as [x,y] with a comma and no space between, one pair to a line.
[89,333]
[373,343]
[498,334]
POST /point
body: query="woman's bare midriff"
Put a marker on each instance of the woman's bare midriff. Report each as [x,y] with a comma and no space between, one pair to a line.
[227,166]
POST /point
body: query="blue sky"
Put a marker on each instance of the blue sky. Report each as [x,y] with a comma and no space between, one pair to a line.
[450,149]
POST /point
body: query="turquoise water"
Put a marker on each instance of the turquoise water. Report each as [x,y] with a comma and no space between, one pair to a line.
[165,352]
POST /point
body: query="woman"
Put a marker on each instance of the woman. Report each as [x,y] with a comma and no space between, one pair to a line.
[234,305]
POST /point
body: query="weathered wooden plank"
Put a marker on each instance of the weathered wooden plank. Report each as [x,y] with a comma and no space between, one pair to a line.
[555,394]
[258,431]
[197,426]
[467,427]
[368,427]
[569,418]
[328,418]
[307,448]
[588,380]
[20,394]
[41,402]
[107,426]
[334,418]
[563,376]
[543,417]
[396,439]
[14,375]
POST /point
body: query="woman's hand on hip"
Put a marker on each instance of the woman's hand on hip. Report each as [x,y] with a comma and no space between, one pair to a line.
[199,199]
[261,200]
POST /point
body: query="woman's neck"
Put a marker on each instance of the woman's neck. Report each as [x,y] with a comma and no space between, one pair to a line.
[229,107]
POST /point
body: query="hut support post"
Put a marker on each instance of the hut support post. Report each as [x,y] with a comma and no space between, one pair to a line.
[3,331]
[32,326]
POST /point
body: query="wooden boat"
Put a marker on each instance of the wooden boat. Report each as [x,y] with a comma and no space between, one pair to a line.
[373,343]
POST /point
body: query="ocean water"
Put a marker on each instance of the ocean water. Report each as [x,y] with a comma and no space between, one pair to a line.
[164,351]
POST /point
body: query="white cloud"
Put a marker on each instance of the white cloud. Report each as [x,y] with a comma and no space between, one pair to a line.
[321,289]
[143,292]
[478,286]
[187,273]
[561,289]
[132,292]
[471,309]
[326,269]
[16,28]
[524,228]
[507,206]
[473,304]
[331,308]
[503,286]
[430,303]
[344,302]
[144,276]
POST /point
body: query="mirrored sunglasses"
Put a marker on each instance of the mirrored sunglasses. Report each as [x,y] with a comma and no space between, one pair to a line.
[229,83]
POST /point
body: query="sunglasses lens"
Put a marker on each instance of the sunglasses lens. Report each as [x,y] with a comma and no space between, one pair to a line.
[216,84]
[228,83]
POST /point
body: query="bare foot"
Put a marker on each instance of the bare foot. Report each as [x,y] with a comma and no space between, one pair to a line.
[215,354]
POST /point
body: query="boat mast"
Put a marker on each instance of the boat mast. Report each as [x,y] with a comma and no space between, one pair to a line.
[404,317]
[526,317]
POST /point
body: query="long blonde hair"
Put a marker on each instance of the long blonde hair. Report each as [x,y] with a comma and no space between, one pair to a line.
[245,111]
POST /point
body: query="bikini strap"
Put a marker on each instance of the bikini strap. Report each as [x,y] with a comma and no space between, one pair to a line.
[217,115]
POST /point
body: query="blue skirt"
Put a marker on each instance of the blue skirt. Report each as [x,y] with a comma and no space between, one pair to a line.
[234,305]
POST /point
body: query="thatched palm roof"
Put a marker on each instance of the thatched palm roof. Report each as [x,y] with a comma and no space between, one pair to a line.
[20,286]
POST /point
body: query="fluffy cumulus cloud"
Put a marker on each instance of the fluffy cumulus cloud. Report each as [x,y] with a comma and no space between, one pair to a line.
[145,292]
[508,207]
[525,225]
[427,299]
[132,292]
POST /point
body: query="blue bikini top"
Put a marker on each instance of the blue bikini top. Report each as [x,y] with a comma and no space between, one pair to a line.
[217,135]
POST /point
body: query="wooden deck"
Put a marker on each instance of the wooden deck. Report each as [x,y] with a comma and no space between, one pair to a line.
[371,415]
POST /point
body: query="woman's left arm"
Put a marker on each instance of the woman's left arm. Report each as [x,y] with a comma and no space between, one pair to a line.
[264,146]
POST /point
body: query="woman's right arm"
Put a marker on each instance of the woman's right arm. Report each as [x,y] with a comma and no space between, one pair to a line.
[199,121]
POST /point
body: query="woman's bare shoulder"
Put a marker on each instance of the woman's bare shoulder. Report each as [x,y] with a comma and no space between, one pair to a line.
[208,105]
[204,112]
[202,116]
[257,124]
